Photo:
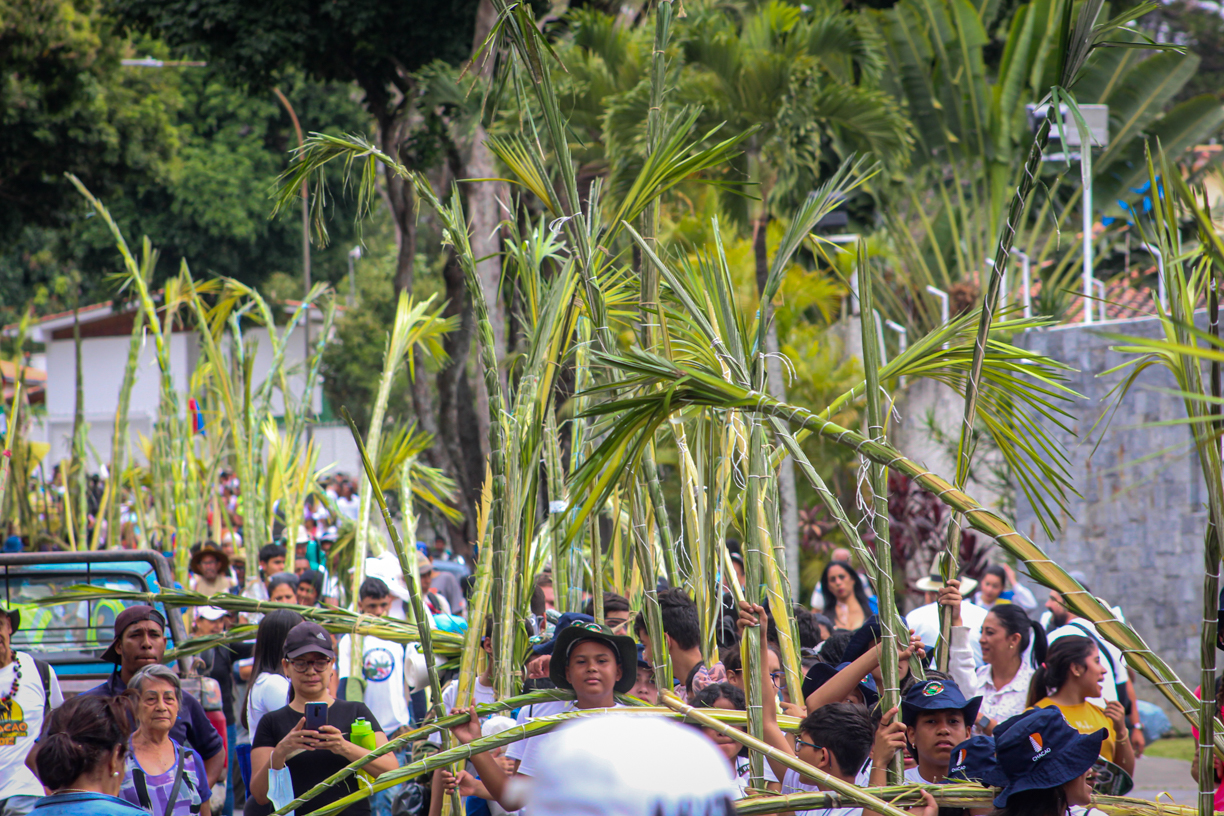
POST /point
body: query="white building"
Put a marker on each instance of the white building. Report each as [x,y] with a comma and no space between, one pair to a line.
[105,337]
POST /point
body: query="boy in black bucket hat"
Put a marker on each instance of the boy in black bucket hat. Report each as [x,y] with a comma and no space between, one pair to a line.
[587,658]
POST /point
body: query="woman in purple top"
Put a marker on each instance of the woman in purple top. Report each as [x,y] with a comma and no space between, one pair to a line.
[162,777]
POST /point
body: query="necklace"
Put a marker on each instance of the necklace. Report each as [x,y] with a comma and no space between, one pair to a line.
[12,692]
[74,790]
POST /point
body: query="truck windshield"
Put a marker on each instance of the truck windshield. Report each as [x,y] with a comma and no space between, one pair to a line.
[80,626]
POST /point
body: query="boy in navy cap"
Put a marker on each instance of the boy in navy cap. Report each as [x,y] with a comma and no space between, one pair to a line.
[836,739]
[935,719]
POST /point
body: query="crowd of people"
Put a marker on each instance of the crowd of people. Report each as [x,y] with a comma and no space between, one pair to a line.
[334,503]
[1042,711]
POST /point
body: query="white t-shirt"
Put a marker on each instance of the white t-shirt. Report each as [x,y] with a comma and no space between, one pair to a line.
[1109,689]
[481,695]
[792,783]
[527,751]
[925,622]
[269,693]
[21,721]
[914,778]
[383,669]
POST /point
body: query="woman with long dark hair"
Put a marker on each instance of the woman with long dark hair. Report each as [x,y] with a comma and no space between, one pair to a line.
[1070,676]
[268,688]
[1003,681]
[81,758]
[845,600]
[1047,763]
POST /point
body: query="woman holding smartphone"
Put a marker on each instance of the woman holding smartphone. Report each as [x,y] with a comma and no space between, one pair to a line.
[310,737]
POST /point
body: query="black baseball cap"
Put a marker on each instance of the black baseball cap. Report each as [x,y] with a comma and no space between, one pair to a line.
[133,614]
[308,637]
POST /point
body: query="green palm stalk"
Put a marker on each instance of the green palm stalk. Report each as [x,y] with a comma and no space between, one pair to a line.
[647,564]
[1182,352]
[119,439]
[6,455]
[890,625]
[408,565]
[757,538]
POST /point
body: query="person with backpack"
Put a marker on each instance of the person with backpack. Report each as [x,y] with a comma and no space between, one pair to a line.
[29,690]
[161,775]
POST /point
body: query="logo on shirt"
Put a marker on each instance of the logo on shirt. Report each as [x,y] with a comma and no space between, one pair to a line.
[932,688]
[12,722]
[378,665]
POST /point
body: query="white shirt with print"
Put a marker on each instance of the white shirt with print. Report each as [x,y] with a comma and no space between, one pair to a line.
[21,720]
[383,669]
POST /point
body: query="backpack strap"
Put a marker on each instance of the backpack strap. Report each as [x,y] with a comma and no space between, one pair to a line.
[142,788]
[44,674]
[172,799]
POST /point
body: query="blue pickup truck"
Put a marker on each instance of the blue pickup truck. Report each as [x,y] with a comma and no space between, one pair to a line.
[71,637]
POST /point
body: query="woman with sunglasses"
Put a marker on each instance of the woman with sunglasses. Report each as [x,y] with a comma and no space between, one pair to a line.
[282,740]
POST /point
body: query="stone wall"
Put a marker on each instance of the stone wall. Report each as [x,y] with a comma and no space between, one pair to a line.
[1136,531]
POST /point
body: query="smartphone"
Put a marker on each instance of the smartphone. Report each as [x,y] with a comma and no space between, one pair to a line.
[316,716]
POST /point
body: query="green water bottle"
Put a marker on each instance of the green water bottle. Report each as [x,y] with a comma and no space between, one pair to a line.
[362,734]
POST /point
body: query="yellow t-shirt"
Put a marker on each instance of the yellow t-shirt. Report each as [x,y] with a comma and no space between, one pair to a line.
[1087,719]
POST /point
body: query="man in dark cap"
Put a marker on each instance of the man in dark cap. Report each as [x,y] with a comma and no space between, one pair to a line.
[140,640]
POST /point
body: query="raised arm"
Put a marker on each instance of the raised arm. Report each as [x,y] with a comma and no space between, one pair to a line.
[495,779]
[753,615]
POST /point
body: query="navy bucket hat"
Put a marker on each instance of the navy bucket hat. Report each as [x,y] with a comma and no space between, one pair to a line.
[938,695]
[974,761]
[1041,751]
[821,673]
[569,618]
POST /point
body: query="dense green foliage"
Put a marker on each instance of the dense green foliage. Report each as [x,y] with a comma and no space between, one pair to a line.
[183,155]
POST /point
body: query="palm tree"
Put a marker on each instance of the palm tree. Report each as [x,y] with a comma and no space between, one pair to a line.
[808,80]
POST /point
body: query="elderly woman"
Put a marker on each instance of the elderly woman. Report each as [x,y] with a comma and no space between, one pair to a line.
[163,777]
[80,759]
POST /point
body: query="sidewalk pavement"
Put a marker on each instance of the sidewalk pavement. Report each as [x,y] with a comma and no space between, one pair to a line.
[1157,775]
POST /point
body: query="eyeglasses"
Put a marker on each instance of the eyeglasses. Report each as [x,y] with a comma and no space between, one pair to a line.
[307,666]
[776,677]
[801,742]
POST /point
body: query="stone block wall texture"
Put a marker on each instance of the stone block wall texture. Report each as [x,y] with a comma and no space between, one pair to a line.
[1136,531]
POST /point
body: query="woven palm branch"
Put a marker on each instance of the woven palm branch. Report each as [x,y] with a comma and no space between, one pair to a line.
[675,387]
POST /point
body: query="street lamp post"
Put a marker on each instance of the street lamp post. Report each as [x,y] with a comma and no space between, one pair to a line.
[1026,281]
[1096,118]
[1161,291]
